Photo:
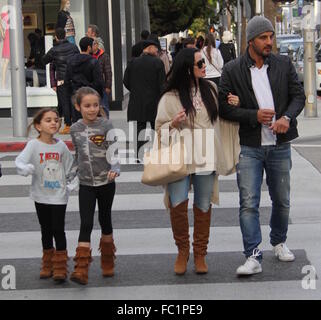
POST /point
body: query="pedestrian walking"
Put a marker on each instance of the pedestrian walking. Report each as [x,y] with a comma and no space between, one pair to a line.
[84,71]
[94,33]
[213,59]
[138,48]
[97,183]
[261,91]
[144,78]
[190,105]
[59,56]
[227,47]
[49,161]
[105,65]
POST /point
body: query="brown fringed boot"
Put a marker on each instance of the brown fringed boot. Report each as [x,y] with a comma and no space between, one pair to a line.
[202,224]
[59,262]
[180,227]
[46,269]
[107,249]
[83,260]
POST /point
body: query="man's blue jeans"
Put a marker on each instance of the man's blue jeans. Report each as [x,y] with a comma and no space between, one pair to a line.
[203,188]
[277,163]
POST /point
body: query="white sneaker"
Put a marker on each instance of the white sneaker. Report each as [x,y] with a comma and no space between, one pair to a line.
[251,266]
[283,253]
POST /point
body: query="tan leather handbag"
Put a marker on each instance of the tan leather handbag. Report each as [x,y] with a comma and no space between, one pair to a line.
[163,165]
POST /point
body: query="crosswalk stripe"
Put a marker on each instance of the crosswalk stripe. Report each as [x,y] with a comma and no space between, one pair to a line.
[151,242]
[139,241]
[123,202]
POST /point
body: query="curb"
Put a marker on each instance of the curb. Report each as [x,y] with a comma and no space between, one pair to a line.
[19,146]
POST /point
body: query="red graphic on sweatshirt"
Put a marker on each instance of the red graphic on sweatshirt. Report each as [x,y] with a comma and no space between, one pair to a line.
[49,156]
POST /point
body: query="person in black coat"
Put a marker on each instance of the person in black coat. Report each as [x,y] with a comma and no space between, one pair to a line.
[144,78]
[138,48]
[84,71]
[59,55]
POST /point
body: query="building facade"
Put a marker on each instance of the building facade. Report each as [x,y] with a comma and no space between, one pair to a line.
[120,23]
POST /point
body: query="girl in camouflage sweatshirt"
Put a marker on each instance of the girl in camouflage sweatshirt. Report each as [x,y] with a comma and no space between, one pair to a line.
[96,173]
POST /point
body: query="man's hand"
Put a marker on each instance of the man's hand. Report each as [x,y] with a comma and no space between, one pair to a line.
[281,126]
[265,116]
[54,89]
[108,91]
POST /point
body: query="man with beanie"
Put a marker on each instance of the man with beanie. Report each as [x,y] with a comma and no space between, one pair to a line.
[261,91]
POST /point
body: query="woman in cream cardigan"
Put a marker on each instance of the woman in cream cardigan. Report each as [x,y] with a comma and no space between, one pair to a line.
[190,105]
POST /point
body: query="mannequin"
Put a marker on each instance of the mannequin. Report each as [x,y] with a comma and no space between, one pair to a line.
[4,30]
[66,22]
[227,48]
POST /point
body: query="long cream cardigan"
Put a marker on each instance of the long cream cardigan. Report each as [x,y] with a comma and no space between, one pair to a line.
[226,144]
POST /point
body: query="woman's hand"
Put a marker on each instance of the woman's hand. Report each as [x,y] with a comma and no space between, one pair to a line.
[179,119]
[233,100]
[111,175]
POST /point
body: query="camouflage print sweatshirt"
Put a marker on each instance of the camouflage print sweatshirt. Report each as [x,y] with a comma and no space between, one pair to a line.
[93,152]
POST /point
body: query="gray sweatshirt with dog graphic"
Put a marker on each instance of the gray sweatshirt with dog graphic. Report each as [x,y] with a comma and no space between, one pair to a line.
[94,152]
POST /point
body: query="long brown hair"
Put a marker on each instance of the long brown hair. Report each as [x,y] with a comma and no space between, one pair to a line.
[39,116]
[210,43]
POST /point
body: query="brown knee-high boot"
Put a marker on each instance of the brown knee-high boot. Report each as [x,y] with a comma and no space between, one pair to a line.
[180,227]
[46,269]
[108,257]
[83,260]
[59,262]
[202,224]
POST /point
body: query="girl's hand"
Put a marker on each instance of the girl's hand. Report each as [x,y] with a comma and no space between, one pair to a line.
[233,100]
[111,175]
[179,118]
[30,168]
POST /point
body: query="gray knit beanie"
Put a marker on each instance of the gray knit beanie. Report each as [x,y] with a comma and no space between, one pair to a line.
[256,26]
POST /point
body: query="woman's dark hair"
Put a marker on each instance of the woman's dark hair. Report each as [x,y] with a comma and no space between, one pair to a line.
[39,116]
[200,42]
[210,43]
[181,79]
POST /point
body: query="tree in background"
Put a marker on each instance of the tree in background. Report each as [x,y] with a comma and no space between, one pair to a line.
[172,16]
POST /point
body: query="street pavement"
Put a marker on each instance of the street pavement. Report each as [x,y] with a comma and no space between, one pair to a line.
[145,248]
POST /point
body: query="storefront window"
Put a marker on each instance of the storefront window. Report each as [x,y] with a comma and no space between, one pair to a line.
[39,19]
[4,46]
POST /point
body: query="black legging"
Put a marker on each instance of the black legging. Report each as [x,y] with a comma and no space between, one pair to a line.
[52,222]
[88,197]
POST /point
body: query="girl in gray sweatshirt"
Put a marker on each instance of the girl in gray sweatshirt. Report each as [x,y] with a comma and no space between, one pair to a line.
[96,172]
[49,161]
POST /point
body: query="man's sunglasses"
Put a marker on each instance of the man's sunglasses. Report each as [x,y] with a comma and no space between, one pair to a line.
[200,63]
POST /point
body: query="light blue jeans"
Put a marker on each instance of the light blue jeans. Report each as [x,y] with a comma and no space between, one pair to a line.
[277,163]
[203,187]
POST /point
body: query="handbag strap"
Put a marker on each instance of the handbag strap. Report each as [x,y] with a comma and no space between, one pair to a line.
[220,72]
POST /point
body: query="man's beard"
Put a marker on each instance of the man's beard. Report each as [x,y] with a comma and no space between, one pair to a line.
[261,53]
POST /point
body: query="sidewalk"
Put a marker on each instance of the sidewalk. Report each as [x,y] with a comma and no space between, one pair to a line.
[8,143]
[308,127]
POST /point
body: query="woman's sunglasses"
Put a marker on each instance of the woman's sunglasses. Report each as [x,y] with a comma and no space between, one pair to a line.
[200,63]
